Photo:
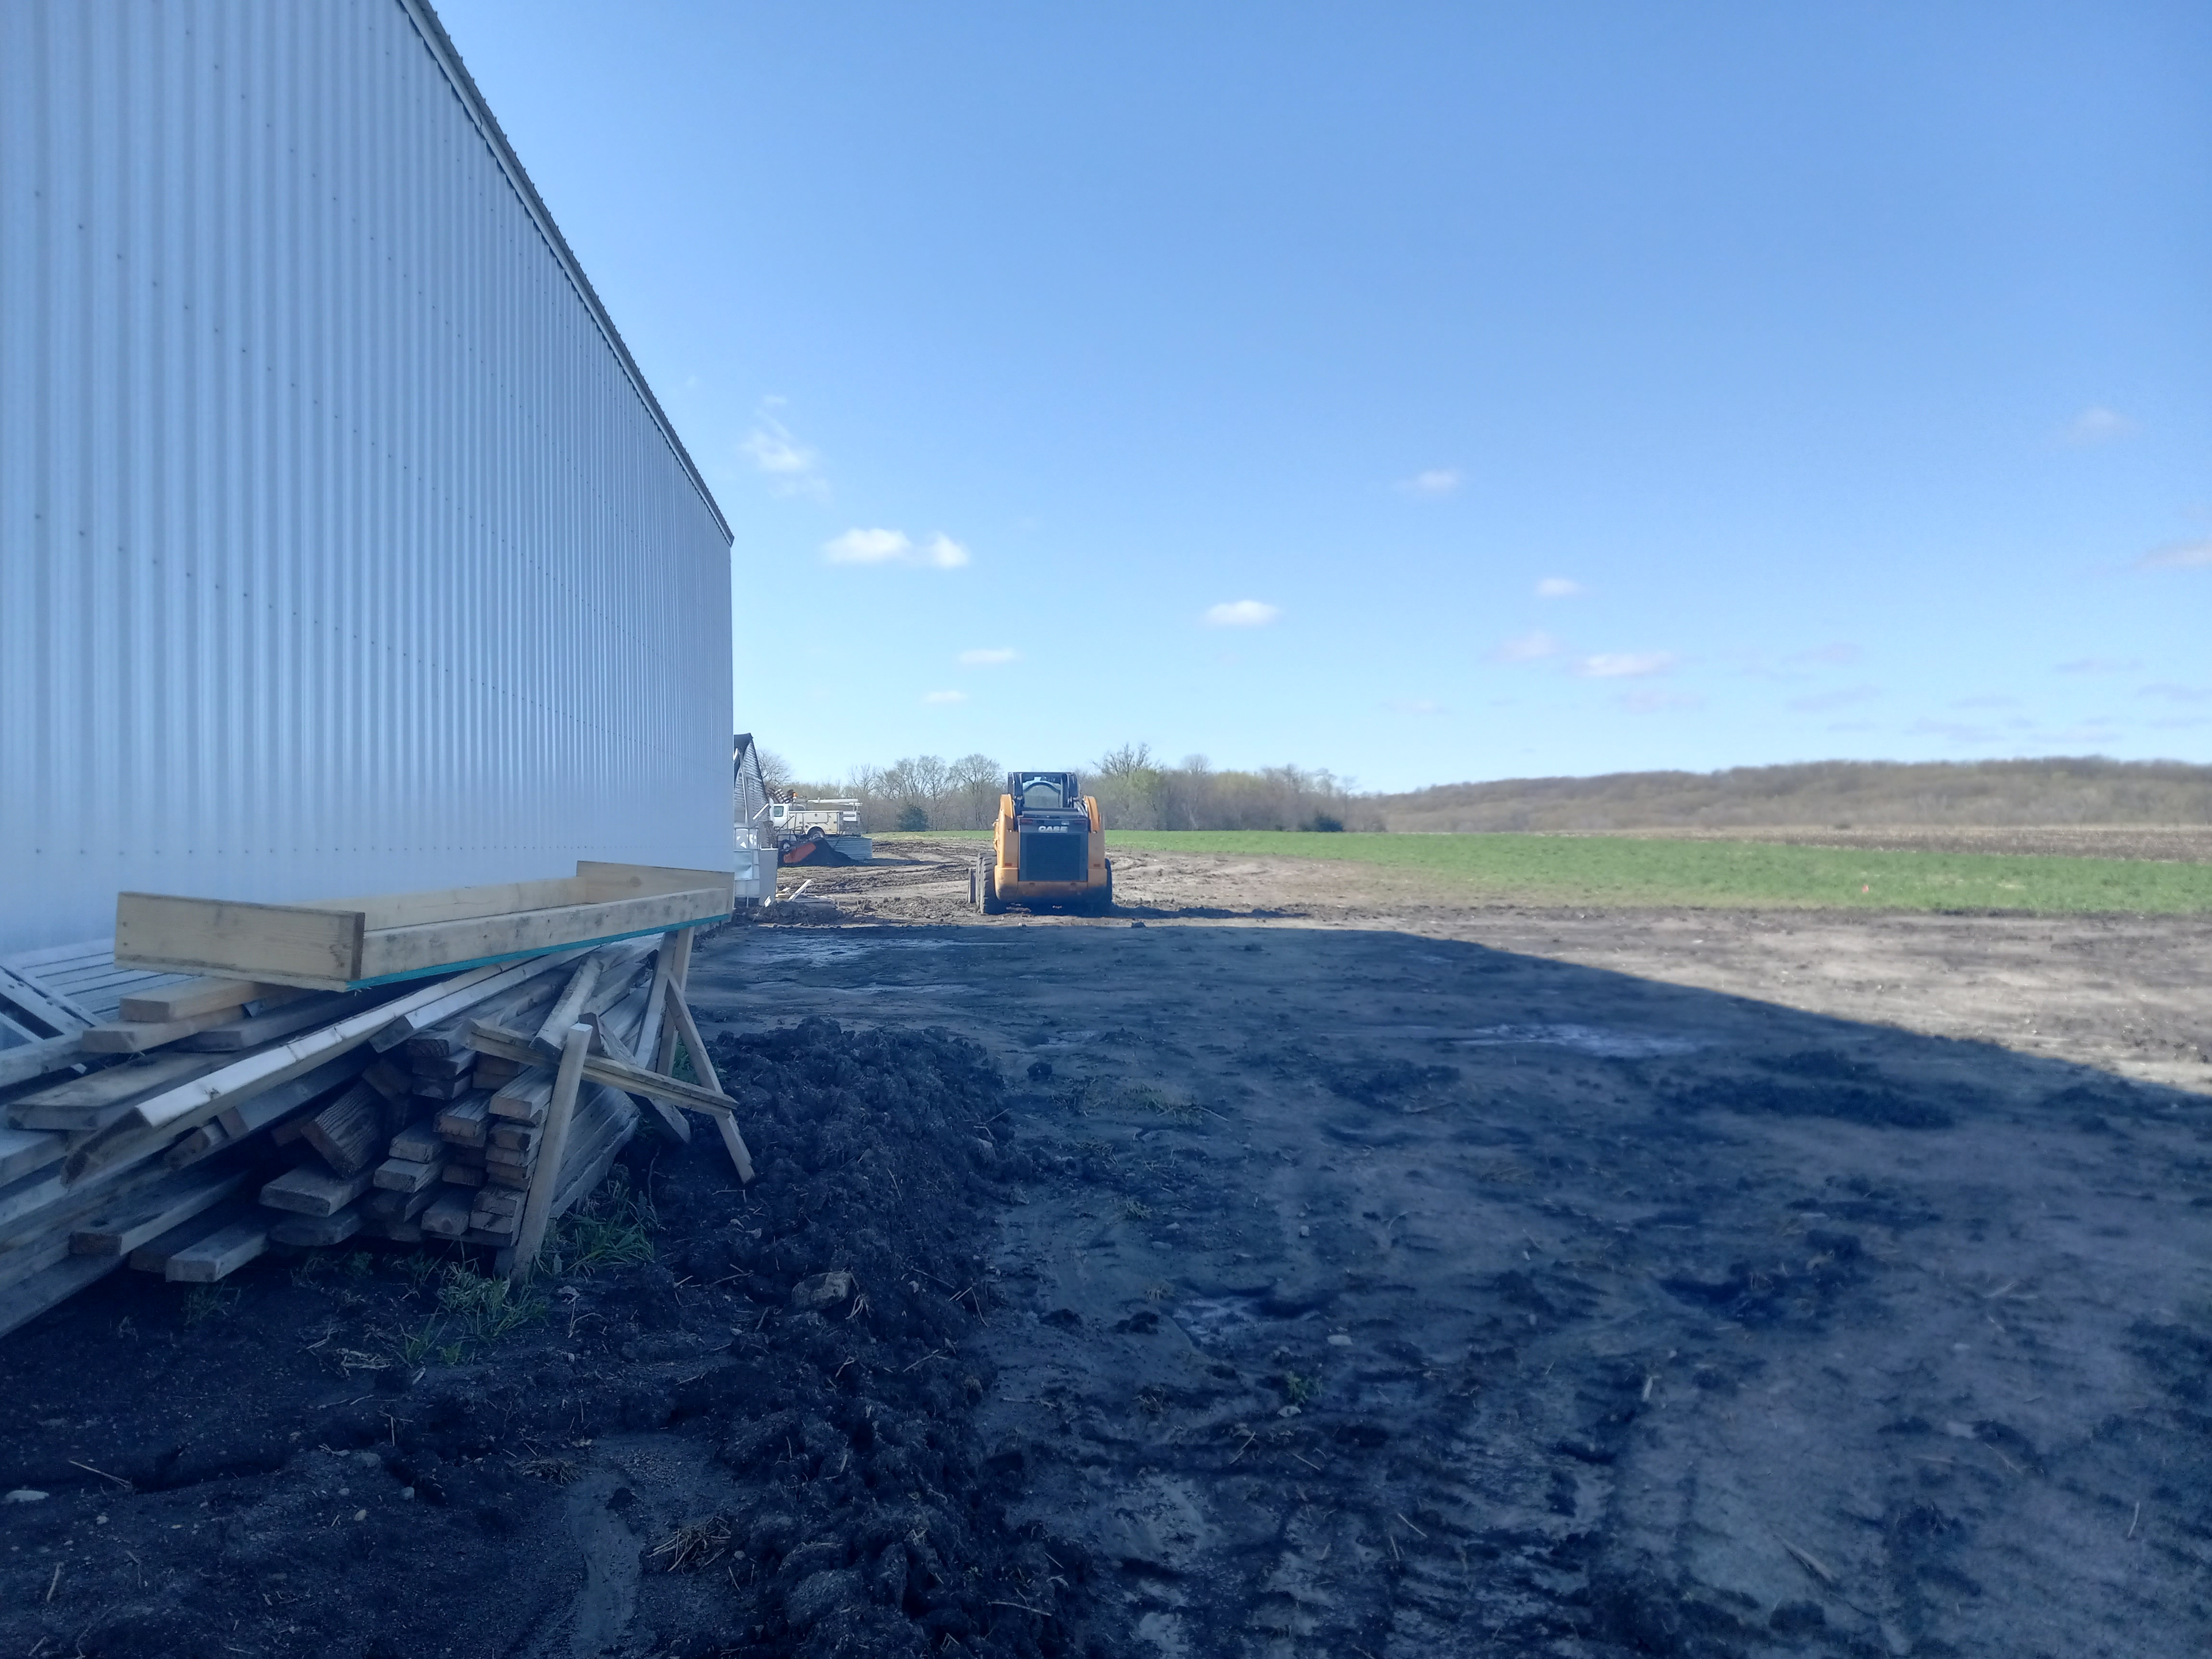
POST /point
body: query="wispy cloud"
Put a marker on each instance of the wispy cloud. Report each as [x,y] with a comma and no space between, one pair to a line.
[1956,731]
[795,468]
[1527,647]
[1625,664]
[1988,700]
[990,656]
[2096,425]
[894,547]
[2172,693]
[945,696]
[1560,587]
[1841,654]
[1659,702]
[2099,666]
[2177,556]
[1823,702]
[1241,613]
[1435,482]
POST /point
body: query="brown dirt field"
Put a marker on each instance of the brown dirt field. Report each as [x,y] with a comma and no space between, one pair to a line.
[1427,1278]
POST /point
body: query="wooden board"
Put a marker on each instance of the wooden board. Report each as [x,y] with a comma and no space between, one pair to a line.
[201,996]
[343,943]
[82,1103]
[125,1227]
[306,1010]
[407,1174]
[311,1231]
[448,1218]
[311,1191]
[219,1254]
[153,1122]
[256,1112]
[347,1132]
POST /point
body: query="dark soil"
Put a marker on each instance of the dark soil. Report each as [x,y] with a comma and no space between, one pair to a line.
[761,1441]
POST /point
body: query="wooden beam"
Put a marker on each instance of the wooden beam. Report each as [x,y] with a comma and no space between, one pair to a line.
[538,1210]
[678,1125]
[203,996]
[552,1035]
[128,1037]
[679,972]
[313,1008]
[732,1142]
[663,962]
[290,944]
[631,1079]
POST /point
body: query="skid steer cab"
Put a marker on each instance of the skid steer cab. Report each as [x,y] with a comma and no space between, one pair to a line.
[1048,849]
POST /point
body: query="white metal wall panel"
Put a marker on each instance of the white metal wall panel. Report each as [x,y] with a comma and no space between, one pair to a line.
[342,549]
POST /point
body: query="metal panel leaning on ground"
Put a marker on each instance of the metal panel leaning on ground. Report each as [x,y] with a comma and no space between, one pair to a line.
[343,547]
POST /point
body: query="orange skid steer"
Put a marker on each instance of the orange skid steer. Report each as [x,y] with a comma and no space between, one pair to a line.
[1048,847]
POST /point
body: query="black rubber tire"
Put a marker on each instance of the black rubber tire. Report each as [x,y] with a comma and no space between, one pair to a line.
[1104,904]
[988,901]
[975,885]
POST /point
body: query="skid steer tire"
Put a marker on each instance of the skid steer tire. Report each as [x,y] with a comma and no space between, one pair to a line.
[987,898]
[1101,903]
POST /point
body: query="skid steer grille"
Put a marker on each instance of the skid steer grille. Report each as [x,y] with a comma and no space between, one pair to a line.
[1053,855]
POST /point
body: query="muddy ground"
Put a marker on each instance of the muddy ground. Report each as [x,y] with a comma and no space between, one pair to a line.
[1320,1266]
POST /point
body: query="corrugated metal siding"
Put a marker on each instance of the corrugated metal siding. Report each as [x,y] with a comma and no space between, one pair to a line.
[340,551]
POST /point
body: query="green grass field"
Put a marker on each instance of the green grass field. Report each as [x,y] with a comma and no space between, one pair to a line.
[1610,870]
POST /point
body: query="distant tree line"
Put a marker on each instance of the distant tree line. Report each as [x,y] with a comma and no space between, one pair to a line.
[1135,791]
[1825,795]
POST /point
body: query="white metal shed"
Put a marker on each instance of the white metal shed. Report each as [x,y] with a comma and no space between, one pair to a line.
[344,548]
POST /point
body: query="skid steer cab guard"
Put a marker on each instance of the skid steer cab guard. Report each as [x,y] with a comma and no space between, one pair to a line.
[1048,849]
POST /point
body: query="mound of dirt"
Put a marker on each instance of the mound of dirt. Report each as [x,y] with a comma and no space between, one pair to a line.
[736,1421]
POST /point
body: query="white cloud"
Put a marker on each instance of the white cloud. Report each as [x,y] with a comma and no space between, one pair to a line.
[1560,587]
[2177,556]
[1527,647]
[2174,693]
[1435,484]
[1625,664]
[2097,425]
[869,547]
[893,547]
[2099,666]
[796,468]
[1241,613]
[945,696]
[990,656]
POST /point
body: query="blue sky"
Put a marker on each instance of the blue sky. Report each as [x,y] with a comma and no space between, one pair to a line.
[1427,391]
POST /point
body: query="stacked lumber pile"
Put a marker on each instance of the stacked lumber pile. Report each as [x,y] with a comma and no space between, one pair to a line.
[213,1118]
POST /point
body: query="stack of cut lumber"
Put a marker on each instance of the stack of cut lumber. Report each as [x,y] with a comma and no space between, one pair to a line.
[211,1118]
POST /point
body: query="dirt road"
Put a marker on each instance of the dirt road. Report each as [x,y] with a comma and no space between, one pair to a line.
[1416,1279]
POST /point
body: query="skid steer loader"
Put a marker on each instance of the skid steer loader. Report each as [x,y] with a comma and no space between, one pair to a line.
[1048,847]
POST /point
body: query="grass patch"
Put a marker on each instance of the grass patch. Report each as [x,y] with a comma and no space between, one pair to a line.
[1604,870]
[611,1227]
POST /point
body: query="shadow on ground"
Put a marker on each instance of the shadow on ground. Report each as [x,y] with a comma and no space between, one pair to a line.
[1284,1290]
